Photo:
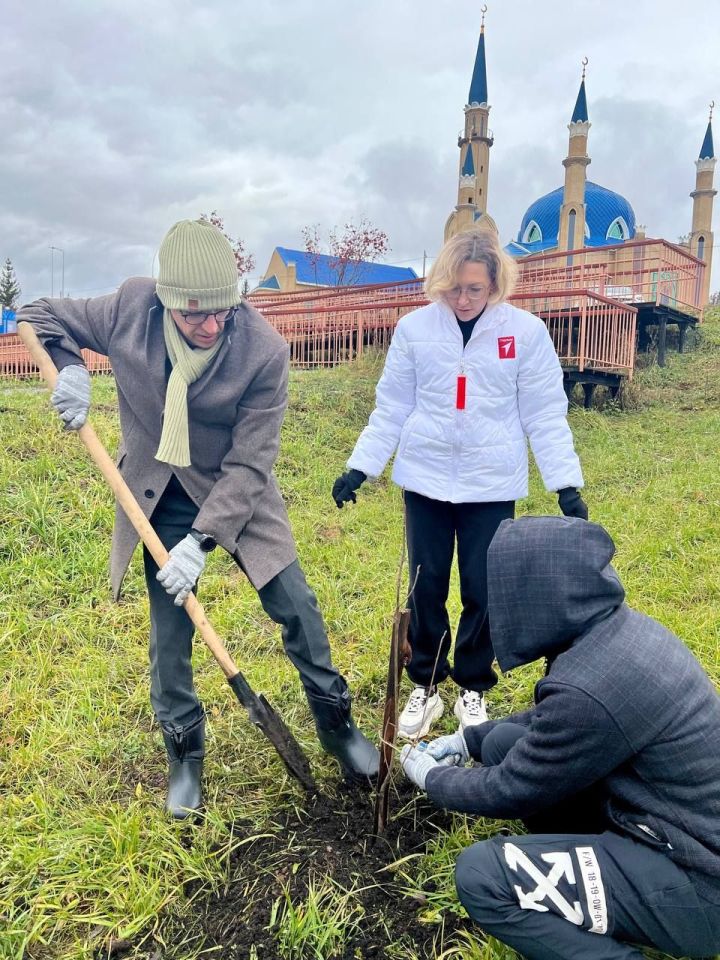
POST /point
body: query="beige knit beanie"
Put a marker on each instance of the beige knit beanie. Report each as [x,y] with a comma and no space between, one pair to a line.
[198,271]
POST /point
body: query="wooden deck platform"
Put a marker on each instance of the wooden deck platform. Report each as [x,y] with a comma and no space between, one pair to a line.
[598,303]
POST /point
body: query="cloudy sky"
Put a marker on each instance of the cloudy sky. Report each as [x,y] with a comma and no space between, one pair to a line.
[119,117]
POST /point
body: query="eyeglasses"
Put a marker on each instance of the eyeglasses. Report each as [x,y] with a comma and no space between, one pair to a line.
[195,319]
[474,293]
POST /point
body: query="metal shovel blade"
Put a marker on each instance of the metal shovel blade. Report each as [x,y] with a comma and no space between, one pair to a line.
[275,729]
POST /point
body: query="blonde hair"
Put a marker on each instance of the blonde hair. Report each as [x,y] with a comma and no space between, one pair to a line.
[472,246]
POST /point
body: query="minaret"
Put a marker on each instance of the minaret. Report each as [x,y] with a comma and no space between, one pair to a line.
[474,143]
[701,236]
[572,212]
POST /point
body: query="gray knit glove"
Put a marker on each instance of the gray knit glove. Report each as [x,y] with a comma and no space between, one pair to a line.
[184,565]
[416,764]
[450,749]
[71,396]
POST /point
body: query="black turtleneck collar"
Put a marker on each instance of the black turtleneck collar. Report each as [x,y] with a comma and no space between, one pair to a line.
[467,326]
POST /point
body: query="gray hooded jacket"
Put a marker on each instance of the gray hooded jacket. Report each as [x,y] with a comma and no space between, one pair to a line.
[624,703]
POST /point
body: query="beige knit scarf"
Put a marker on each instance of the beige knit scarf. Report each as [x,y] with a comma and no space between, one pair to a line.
[188,365]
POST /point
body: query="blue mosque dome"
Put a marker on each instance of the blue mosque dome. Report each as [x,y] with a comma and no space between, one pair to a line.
[609,219]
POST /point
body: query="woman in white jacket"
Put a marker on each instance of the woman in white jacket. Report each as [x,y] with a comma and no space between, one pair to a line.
[468,380]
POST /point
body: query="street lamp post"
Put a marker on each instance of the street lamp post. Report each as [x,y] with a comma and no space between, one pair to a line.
[52,271]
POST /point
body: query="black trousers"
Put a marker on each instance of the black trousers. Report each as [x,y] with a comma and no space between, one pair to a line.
[287,599]
[561,896]
[433,528]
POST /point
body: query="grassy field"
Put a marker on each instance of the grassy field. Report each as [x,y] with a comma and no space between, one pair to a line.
[89,865]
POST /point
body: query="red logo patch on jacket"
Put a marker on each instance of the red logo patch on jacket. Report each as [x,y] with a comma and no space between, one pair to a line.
[506,348]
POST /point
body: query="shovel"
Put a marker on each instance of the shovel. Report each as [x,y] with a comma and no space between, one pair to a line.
[258,708]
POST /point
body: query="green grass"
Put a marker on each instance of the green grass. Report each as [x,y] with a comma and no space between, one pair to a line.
[317,927]
[87,857]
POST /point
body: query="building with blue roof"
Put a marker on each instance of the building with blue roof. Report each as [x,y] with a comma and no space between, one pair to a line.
[584,214]
[291,271]
[580,214]
[609,218]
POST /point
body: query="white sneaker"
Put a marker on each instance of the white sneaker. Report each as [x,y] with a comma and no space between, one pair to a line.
[421,711]
[470,708]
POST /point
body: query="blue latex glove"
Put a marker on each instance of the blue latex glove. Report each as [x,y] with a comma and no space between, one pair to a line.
[417,764]
[180,574]
[71,396]
[451,750]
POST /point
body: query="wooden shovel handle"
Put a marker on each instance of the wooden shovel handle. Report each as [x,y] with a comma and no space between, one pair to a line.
[127,501]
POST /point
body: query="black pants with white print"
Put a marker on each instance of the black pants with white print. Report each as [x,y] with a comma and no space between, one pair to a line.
[572,896]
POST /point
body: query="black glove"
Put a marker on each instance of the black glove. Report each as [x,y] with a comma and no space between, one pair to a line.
[343,490]
[572,504]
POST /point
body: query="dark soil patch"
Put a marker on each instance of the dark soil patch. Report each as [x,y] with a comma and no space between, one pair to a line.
[329,838]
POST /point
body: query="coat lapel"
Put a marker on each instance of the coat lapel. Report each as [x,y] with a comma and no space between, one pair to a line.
[155,350]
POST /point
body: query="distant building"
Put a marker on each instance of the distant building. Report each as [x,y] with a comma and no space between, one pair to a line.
[293,271]
[579,214]
[8,323]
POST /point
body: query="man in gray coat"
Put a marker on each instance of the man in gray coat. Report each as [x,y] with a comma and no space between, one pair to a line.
[615,769]
[202,390]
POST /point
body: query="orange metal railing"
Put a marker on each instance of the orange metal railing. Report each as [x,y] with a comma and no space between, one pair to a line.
[337,296]
[637,272]
[589,331]
[588,298]
[324,334]
[15,362]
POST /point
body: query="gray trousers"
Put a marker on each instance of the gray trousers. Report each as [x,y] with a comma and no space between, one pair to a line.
[288,601]
[591,895]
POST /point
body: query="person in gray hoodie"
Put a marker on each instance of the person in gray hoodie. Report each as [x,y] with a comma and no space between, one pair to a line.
[615,769]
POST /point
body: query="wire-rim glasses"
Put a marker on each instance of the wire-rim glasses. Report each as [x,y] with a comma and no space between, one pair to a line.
[474,294]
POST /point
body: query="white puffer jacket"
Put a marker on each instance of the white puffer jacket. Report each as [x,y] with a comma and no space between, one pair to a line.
[513,392]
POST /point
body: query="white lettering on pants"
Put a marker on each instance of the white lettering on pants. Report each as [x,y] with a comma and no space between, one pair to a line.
[594,889]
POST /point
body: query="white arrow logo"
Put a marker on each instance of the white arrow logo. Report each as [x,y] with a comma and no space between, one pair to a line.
[561,866]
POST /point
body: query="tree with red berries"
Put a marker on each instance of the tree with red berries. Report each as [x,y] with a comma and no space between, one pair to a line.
[245,261]
[348,248]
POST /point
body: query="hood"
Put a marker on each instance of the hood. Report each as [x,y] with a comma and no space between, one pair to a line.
[549,581]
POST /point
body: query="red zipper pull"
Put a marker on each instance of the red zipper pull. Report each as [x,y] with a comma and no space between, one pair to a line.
[460,396]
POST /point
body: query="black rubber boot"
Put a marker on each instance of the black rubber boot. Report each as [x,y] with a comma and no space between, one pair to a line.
[185,749]
[358,758]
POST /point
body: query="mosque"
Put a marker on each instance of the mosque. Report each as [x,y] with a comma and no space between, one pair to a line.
[581,216]
[586,267]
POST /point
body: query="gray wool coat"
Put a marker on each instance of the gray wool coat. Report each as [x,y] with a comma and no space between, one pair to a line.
[235,413]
